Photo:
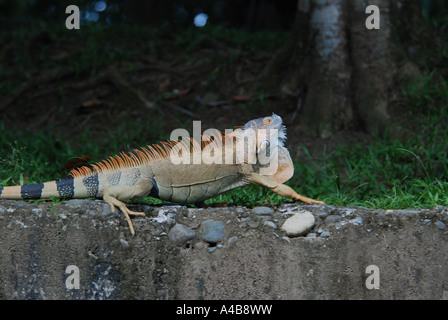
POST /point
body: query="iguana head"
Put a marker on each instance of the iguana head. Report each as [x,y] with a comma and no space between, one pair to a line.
[273,122]
[268,134]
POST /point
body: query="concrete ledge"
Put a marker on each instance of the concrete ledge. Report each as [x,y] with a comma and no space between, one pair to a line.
[246,256]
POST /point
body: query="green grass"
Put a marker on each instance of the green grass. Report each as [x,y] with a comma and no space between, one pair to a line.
[382,173]
[386,173]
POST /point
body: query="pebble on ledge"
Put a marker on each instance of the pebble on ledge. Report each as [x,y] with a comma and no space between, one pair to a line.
[299,224]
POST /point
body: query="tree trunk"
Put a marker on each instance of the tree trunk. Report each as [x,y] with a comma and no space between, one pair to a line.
[345,73]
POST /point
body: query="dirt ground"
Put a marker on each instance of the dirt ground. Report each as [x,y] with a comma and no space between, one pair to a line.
[349,253]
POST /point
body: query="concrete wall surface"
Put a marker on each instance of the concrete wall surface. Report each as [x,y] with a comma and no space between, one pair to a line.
[79,249]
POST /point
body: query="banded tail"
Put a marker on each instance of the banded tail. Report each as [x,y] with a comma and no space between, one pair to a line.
[67,188]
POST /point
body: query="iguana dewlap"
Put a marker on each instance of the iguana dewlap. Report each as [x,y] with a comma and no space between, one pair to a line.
[151,171]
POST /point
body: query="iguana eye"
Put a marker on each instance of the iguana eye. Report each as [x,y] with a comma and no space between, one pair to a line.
[267,121]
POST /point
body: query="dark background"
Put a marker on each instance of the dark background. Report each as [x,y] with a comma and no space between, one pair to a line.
[50,73]
[250,14]
[136,70]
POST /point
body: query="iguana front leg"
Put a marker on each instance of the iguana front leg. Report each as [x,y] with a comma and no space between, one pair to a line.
[279,188]
[113,196]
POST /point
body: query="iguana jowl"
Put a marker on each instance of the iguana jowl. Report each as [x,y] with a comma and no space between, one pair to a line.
[150,171]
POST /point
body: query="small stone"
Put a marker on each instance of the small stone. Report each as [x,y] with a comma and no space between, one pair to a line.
[181,233]
[332,219]
[441,225]
[263,211]
[232,241]
[163,217]
[427,222]
[322,214]
[270,224]
[76,203]
[124,243]
[199,245]
[212,231]
[299,224]
[252,224]
[356,221]
[172,216]
[325,234]
[107,211]
[406,211]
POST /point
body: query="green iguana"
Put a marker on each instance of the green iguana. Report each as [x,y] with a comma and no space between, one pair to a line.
[150,171]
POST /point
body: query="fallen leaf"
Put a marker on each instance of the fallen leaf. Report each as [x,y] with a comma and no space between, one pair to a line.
[92,103]
[242,97]
[220,205]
